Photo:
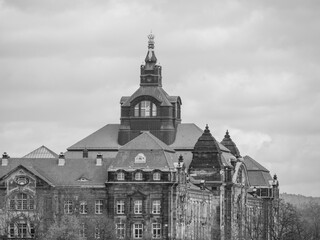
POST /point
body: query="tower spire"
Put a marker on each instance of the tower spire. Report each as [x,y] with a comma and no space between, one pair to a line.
[150,72]
[151,58]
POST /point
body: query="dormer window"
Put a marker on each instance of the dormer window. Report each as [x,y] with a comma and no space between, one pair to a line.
[120,176]
[145,109]
[138,176]
[156,176]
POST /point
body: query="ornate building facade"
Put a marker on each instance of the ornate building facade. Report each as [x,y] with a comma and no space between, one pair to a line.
[154,176]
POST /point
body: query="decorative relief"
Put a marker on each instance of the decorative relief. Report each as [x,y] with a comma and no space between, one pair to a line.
[140,158]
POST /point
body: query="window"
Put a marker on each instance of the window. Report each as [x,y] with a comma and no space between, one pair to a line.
[68,207]
[97,233]
[83,207]
[120,230]
[156,230]
[138,176]
[156,206]
[83,230]
[156,176]
[120,207]
[11,230]
[98,206]
[120,176]
[32,230]
[137,230]
[137,206]
[145,109]
[22,230]
[21,201]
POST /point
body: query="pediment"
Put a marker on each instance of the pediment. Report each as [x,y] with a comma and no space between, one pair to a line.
[24,177]
[137,194]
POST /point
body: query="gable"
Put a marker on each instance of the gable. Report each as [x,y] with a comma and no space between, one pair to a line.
[22,177]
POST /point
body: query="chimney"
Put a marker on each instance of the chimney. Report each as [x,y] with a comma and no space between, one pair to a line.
[99,160]
[4,161]
[61,160]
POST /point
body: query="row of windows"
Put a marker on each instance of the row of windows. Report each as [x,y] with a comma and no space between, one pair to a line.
[21,230]
[83,208]
[137,231]
[138,176]
[138,207]
[21,201]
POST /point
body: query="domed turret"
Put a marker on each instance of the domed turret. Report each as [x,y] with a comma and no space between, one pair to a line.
[207,143]
[228,143]
[206,160]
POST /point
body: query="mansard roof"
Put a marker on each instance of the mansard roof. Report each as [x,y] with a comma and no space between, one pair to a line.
[41,152]
[257,174]
[156,92]
[157,155]
[67,175]
[106,138]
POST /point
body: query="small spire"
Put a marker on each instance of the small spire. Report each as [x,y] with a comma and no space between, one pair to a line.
[151,40]
[207,129]
[227,134]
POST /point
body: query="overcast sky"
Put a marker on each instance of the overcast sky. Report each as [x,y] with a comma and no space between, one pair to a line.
[248,66]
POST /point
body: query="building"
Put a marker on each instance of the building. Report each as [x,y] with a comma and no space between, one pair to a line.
[154,176]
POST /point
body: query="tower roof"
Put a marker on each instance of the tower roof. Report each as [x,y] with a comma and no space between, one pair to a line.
[207,143]
[228,143]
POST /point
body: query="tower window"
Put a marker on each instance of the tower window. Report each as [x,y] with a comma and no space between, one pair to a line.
[145,109]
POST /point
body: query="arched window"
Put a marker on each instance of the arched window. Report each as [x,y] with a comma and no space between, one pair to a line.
[21,201]
[145,109]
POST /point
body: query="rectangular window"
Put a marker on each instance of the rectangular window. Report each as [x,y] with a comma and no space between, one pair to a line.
[12,204]
[22,230]
[31,204]
[68,207]
[11,229]
[156,206]
[120,230]
[83,230]
[98,206]
[137,206]
[137,230]
[156,176]
[120,176]
[83,207]
[120,207]
[32,230]
[19,204]
[156,230]
[97,233]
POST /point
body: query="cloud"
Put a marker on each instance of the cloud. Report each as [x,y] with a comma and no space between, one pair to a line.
[250,67]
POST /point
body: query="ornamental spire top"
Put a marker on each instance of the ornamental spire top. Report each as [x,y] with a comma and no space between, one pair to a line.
[151,40]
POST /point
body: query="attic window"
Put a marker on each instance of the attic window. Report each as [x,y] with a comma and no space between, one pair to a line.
[140,158]
[138,176]
[145,109]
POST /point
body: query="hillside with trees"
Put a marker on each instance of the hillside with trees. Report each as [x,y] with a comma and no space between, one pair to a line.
[298,218]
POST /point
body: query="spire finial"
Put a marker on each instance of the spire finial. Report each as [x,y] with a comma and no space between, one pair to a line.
[227,134]
[151,40]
